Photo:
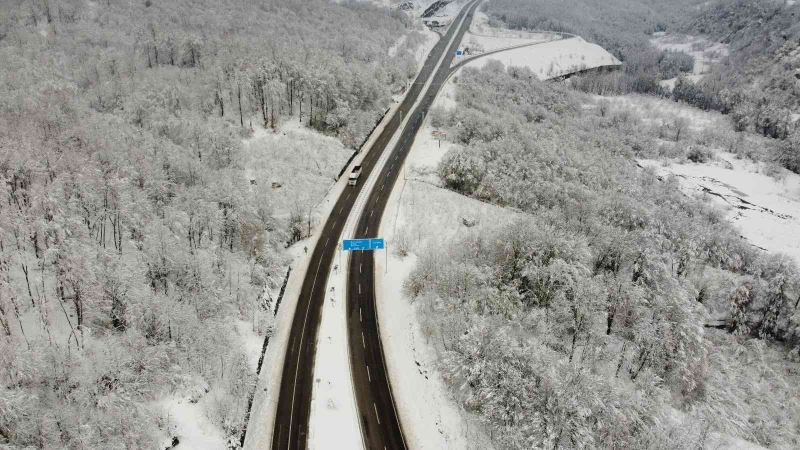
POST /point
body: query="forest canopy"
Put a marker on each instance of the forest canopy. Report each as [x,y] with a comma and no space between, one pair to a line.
[131,241]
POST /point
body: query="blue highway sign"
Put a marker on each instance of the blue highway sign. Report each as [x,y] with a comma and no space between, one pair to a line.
[363,244]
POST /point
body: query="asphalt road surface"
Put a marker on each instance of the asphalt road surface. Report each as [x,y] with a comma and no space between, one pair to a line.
[379,421]
[381,428]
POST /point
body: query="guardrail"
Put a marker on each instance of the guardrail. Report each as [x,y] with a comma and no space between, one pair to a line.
[361,147]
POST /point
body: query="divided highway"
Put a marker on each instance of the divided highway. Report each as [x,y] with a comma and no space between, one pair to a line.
[380,425]
[379,420]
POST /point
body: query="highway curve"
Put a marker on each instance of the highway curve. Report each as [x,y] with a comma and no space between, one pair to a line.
[294,399]
[379,421]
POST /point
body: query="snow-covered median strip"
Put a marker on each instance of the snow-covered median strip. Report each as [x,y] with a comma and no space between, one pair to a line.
[334,414]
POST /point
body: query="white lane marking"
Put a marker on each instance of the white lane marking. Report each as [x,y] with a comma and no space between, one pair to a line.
[368,375]
[363,341]
[326,240]
[360,317]
[359,267]
[302,336]
[359,288]
[376,413]
[371,213]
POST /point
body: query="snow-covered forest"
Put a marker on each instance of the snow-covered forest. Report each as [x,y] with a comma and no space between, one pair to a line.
[618,310]
[163,164]
[756,84]
[135,250]
[588,322]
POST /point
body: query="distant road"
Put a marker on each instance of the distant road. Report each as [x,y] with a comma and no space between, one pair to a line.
[379,421]
[381,427]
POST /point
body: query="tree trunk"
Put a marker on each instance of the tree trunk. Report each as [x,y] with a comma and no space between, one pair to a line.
[239,95]
[4,321]
[621,359]
[28,282]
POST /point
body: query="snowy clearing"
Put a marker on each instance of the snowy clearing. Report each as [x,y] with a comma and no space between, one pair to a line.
[763,200]
[655,111]
[295,164]
[553,59]
[482,37]
[481,27]
[765,208]
[190,424]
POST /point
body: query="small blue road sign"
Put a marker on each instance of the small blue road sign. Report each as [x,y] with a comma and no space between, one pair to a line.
[363,244]
[459,52]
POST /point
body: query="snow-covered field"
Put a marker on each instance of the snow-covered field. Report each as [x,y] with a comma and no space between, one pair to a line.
[553,59]
[765,208]
[655,111]
[480,26]
[481,44]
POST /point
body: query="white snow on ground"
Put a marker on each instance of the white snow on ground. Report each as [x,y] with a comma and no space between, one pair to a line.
[189,423]
[302,162]
[431,38]
[334,414]
[481,26]
[763,200]
[481,44]
[451,9]
[765,209]
[655,111]
[397,44]
[553,59]
[265,403]
[421,52]
[705,53]
[266,399]
[419,215]
[251,342]
[482,35]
